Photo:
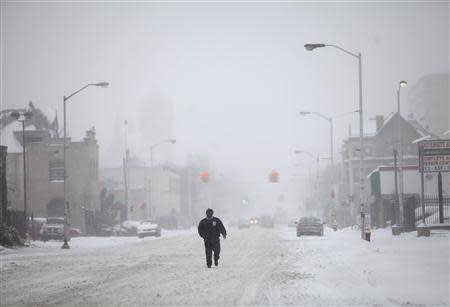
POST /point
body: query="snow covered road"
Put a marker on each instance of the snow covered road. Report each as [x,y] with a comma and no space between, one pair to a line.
[258,267]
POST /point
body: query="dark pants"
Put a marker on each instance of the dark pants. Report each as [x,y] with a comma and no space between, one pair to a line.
[211,246]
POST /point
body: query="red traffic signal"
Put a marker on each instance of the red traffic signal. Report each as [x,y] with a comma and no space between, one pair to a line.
[274,176]
[204,177]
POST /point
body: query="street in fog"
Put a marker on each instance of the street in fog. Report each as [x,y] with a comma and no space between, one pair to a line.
[257,267]
[309,141]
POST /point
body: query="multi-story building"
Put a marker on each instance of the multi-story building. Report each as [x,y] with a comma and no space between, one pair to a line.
[45,171]
[378,151]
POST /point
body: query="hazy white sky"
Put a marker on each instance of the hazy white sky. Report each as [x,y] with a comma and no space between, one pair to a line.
[233,75]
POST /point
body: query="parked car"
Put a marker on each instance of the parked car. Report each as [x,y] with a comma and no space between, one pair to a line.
[293,223]
[309,226]
[53,229]
[121,231]
[130,226]
[242,223]
[149,228]
[266,221]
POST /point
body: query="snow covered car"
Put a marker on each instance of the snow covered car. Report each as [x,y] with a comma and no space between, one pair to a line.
[53,229]
[309,226]
[148,228]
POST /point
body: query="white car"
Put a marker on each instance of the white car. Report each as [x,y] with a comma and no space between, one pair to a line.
[148,228]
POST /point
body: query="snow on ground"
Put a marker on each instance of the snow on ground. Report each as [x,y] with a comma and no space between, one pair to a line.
[258,267]
[80,244]
[342,269]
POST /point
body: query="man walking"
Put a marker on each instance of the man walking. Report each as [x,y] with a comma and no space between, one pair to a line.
[210,229]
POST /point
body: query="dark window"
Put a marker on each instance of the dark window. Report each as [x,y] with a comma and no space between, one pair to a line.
[56,170]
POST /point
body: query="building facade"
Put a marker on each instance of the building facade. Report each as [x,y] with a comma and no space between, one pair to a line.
[378,151]
[45,170]
[149,193]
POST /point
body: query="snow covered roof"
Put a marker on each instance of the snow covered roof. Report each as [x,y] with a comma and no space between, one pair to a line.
[7,136]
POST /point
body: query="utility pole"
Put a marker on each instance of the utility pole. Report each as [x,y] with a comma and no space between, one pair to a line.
[66,203]
[397,214]
[23,117]
[400,154]
[358,56]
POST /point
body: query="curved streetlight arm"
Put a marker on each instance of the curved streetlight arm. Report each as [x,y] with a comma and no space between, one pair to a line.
[101,84]
[345,50]
[76,92]
[162,142]
[307,153]
[322,116]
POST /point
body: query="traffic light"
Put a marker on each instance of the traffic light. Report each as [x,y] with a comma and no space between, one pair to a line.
[204,177]
[274,176]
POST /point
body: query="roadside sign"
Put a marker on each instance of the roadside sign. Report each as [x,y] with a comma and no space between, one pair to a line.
[434,156]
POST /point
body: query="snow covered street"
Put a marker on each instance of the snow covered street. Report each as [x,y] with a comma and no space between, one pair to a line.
[258,267]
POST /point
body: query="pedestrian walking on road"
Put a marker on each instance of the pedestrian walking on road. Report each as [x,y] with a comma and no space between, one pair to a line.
[210,229]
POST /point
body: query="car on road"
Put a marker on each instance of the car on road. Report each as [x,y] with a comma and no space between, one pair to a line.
[53,229]
[149,228]
[254,221]
[266,221]
[243,223]
[309,226]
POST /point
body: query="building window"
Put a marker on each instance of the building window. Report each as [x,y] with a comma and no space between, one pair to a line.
[56,170]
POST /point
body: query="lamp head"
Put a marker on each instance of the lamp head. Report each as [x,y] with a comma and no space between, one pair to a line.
[403,83]
[102,84]
[303,113]
[311,47]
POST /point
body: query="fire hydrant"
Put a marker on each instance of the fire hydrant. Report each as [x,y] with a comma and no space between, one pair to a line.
[367,233]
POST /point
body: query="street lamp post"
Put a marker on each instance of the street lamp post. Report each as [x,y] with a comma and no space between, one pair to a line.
[311,47]
[400,154]
[65,98]
[23,117]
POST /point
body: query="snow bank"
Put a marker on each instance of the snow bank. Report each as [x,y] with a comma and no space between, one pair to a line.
[82,244]
[389,270]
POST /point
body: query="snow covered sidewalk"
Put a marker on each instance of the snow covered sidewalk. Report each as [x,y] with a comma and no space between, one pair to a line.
[341,269]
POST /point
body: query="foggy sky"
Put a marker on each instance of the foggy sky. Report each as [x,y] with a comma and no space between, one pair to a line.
[235,75]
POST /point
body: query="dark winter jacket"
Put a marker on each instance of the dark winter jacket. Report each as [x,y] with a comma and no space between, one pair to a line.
[210,229]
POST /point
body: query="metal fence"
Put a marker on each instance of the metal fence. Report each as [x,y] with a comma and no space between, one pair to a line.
[435,213]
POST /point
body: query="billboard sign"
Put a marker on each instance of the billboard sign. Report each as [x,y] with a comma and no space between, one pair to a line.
[434,155]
